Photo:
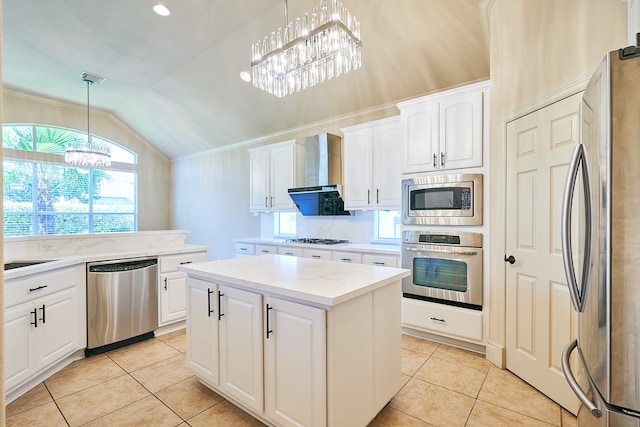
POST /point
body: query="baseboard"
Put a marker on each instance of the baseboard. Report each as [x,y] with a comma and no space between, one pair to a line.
[496,354]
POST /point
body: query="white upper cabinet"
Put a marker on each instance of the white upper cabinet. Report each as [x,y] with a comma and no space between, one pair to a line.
[273,170]
[372,176]
[444,131]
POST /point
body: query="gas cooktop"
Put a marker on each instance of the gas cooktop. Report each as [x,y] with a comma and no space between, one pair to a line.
[316,241]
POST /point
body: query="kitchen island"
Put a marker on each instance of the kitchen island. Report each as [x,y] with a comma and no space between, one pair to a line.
[296,341]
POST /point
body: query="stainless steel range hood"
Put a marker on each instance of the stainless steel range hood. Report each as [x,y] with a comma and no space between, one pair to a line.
[323,178]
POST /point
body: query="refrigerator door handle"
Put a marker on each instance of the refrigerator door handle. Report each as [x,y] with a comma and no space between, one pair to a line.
[573,383]
[578,295]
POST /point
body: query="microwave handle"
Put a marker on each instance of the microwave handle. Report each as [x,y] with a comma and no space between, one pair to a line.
[443,251]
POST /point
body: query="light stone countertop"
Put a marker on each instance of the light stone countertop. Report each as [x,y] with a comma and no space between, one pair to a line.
[65,261]
[377,248]
[310,281]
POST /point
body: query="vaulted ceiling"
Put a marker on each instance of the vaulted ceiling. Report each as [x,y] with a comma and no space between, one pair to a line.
[175,80]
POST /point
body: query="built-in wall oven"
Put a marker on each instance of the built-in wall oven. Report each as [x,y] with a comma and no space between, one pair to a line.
[446,199]
[446,267]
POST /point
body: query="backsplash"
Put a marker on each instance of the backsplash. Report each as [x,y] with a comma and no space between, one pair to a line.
[54,246]
[356,228]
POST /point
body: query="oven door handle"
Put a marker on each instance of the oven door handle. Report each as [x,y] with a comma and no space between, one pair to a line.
[443,251]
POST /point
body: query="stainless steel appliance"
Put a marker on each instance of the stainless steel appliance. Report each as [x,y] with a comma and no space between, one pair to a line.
[122,302]
[446,267]
[321,195]
[442,200]
[601,245]
[317,241]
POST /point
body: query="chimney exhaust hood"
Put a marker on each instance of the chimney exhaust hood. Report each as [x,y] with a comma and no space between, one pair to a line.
[323,175]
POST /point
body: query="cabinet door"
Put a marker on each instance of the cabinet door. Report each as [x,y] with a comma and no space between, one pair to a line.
[202,329]
[316,253]
[259,178]
[173,297]
[57,319]
[241,354]
[19,362]
[282,177]
[461,131]
[420,138]
[358,169]
[295,364]
[387,175]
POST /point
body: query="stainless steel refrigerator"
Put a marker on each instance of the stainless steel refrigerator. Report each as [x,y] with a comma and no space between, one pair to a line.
[601,246]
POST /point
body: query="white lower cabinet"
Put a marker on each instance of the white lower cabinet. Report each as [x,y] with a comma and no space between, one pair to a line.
[240,346]
[172,292]
[454,322]
[42,330]
[292,364]
[295,364]
[202,329]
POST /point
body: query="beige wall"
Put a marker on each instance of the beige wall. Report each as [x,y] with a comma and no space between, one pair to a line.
[537,48]
[154,169]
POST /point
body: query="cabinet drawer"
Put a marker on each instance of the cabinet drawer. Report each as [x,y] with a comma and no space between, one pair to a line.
[26,288]
[266,249]
[316,254]
[381,260]
[171,262]
[245,249]
[347,257]
[289,251]
[442,319]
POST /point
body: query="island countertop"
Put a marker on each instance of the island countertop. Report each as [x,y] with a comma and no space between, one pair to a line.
[312,281]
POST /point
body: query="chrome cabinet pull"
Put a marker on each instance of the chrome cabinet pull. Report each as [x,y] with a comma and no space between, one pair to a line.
[442,159]
[435,164]
[266,202]
[368,197]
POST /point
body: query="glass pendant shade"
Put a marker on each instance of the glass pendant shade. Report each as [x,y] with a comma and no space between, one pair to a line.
[88,156]
[315,48]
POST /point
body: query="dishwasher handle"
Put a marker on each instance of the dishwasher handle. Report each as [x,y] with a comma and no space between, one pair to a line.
[117,266]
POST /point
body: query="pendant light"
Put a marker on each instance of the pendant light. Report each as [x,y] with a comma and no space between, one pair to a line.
[88,156]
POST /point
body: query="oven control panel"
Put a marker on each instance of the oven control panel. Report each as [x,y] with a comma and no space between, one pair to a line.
[439,239]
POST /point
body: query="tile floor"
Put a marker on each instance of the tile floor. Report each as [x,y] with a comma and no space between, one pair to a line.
[148,384]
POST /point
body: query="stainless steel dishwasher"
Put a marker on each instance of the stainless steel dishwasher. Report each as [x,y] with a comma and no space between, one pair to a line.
[122,302]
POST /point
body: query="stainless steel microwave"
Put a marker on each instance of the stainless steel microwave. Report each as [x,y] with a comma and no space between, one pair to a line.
[442,200]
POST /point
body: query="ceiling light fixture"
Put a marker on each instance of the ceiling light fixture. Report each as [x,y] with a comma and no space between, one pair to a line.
[245,76]
[88,156]
[315,48]
[161,10]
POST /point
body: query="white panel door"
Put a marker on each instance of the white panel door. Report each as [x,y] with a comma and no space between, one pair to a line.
[539,317]
[173,297]
[241,346]
[56,336]
[202,329]
[358,169]
[420,138]
[295,364]
[20,362]
[460,131]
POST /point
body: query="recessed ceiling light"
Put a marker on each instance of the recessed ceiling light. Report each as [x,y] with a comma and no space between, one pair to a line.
[161,10]
[244,75]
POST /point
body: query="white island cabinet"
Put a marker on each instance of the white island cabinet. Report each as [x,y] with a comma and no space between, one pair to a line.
[296,341]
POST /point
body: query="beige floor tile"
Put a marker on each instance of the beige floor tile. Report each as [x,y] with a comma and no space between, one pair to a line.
[170,335]
[142,354]
[419,345]
[503,388]
[452,376]
[179,342]
[568,419]
[46,415]
[146,412]
[102,399]
[390,417]
[412,361]
[37,396]
[83,375]
[163,374]
[188,398]
[488,415]
[224,414]
[463,357]
[433,404]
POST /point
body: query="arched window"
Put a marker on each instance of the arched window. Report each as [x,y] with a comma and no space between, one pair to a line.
[43,195]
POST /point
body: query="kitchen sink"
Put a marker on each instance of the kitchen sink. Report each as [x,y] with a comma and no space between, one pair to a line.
[20,264]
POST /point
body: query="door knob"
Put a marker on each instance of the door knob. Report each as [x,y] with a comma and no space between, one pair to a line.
[510,259]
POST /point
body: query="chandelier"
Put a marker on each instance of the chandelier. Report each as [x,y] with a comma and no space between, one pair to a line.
[88,156]
[306,52]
